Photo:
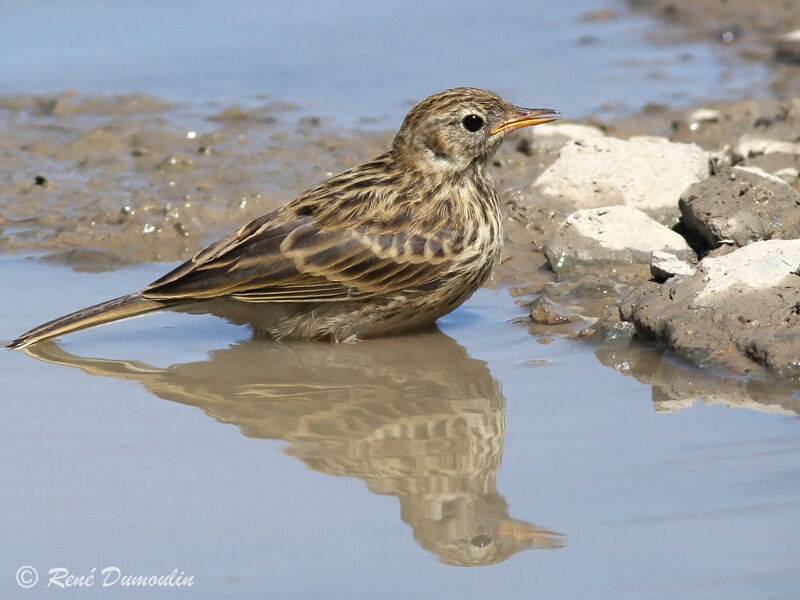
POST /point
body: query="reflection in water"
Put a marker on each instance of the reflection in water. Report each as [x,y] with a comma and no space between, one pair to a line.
[414,417]
[677,385]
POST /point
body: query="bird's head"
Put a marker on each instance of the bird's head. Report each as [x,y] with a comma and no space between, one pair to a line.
[456,129]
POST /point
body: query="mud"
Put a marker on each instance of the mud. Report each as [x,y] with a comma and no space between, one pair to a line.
[134,178]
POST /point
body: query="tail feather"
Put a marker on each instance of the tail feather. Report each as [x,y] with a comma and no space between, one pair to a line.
[105,312]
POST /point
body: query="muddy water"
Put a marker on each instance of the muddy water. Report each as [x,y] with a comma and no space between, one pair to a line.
[554,467]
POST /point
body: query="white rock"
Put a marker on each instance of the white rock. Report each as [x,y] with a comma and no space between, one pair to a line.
[757,266]
[750,145]
[761,173]
[645,173]
[666,265]
[789,174]
[788,47]
[555,135]
[705,115]
[618,234]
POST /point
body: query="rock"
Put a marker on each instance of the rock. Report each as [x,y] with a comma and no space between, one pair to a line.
[740,311]
[611,234]
[757,267]
[643,172]
[787,48]
[546,312]
[616,335]
[740,206]
[705,115]
[788,174]
[750,146]
[664,265]
[759,172]
[555,135]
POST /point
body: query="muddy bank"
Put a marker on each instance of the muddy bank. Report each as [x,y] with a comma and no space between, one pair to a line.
[98,181]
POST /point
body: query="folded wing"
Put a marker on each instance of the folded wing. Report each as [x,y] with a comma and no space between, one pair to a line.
[297,258]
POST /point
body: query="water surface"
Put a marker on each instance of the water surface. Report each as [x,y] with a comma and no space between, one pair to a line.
[311,470]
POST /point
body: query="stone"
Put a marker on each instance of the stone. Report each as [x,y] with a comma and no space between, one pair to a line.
[756,267]
[664,265]
[555,135]
[749,146]
[788,174]
[705,115]
[740,311]
[546,312]
[644,172]
[759,172]
[611,234]
[738,207]
[787,49]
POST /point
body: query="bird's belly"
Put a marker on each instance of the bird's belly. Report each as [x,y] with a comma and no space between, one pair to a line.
[335,321]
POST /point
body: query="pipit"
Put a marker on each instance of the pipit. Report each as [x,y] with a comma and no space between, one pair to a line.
[386,247]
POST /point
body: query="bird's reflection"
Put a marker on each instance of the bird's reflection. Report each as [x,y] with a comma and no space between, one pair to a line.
[414,417]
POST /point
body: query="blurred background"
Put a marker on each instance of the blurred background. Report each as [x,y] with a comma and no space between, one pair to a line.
[363,59]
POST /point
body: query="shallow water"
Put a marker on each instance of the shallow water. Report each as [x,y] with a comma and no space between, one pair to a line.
[315,470]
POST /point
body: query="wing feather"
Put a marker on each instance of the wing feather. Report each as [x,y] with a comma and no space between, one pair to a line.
[291,256]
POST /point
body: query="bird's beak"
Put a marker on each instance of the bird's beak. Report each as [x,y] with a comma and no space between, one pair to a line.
[526,117]
[531,536]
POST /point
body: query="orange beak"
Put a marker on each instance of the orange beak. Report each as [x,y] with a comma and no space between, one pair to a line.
[531,536]
[526,118]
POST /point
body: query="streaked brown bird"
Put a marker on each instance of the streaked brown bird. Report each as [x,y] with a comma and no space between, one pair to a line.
[386,247]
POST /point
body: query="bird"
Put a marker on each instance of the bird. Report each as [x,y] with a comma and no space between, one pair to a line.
[383,248]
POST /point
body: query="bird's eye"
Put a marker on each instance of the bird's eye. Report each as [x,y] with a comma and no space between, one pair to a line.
[472,123]
[480,540]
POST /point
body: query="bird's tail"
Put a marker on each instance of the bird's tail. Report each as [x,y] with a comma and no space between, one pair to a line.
[105,312]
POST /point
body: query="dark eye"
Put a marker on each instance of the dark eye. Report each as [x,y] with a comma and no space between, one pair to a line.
[472,123]
[480,540]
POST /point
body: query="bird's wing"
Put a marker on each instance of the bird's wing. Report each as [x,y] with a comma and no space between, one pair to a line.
[298,259]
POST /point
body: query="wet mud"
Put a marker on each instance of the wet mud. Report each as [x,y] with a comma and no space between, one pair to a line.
[99,181]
